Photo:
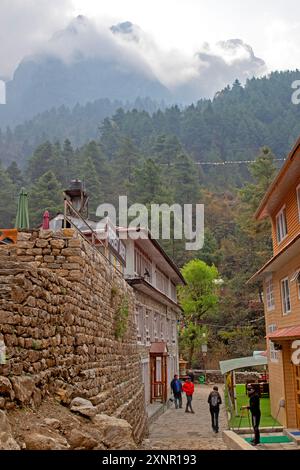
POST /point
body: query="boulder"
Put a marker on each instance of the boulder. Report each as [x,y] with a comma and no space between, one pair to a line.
[83,407]
[52,423]
[81,439]
[117,433]
[39,441]
[7,442]
[24,387]
[6,389]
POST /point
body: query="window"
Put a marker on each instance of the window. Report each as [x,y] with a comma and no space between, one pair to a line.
[173,292]
[298,200]
[152,321]
[140,324]
[148,320]
[162,282]
[296,277]
[156,326]
[162,327]
[269,293]
[274,353]
[169,331]
[281,225]
[285,296]
[142,265]
[174,331]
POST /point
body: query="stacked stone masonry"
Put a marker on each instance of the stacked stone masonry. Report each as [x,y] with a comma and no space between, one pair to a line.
[58,304]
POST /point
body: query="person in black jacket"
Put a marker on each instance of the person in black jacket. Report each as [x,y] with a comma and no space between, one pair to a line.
[254,407]
[191,376]
[214,400]
[176,387]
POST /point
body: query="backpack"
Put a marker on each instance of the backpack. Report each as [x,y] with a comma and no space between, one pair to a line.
[214,400]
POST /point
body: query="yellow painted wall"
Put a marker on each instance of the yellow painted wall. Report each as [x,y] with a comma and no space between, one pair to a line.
[292,216]
[281,372]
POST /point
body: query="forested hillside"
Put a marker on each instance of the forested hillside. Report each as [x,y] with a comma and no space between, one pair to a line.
[233,126]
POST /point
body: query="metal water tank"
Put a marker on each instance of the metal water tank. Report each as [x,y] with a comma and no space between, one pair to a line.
[76,185]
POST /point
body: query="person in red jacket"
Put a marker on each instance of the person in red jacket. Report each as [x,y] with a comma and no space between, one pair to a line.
[188,388]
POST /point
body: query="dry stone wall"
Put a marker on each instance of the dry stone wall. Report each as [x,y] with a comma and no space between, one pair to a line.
[59,300]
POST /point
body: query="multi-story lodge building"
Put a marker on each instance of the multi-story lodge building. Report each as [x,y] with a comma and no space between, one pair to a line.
[154,278]
[281,281]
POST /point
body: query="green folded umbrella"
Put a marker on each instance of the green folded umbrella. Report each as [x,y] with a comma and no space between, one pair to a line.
[22,219]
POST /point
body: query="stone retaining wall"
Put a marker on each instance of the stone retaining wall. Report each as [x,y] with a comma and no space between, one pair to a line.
[59,304]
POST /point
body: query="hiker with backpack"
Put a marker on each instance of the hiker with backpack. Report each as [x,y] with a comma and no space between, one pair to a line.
[214,400]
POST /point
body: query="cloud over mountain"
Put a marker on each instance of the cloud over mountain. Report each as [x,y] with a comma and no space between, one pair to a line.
[86,60]
[25,25]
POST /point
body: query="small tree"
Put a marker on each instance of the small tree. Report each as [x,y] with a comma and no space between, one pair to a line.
[45,194]
[198,299]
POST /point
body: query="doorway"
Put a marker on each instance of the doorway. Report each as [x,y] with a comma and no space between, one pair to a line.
[158,372]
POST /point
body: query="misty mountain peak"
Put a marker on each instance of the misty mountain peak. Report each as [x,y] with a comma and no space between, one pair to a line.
[127,30]
[76,26]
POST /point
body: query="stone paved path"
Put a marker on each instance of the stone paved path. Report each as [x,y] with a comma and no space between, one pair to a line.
[176,429]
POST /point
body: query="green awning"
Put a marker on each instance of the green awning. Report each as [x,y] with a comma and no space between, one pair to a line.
[241,362]
[22,219]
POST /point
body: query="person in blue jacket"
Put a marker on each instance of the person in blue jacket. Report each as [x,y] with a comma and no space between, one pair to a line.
[176,387]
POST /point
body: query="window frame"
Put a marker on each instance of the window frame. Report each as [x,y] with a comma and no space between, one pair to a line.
[140,324]
[279,236]
[270,306]
[283,300]
[273,353]
[298,286]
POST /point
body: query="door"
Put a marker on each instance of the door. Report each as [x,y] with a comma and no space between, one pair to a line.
[158,378]
[297,390]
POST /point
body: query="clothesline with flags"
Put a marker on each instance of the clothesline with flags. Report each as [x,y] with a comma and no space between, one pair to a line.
[228,162]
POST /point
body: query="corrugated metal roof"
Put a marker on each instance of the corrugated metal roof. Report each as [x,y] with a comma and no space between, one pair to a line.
[241,362]
[289,332]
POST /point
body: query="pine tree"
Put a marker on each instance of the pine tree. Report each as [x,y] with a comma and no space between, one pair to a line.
[15,175]
[124,164]
[68,161]
[148,186]
[88,174]
[166,148]
[93,151]
[185,180]
[45,194]
[43,160]
[8,200]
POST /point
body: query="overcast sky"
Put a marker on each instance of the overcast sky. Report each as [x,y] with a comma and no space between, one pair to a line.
[270,27]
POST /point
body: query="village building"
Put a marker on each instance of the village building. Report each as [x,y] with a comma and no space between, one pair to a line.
[281,282]
[154,278]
